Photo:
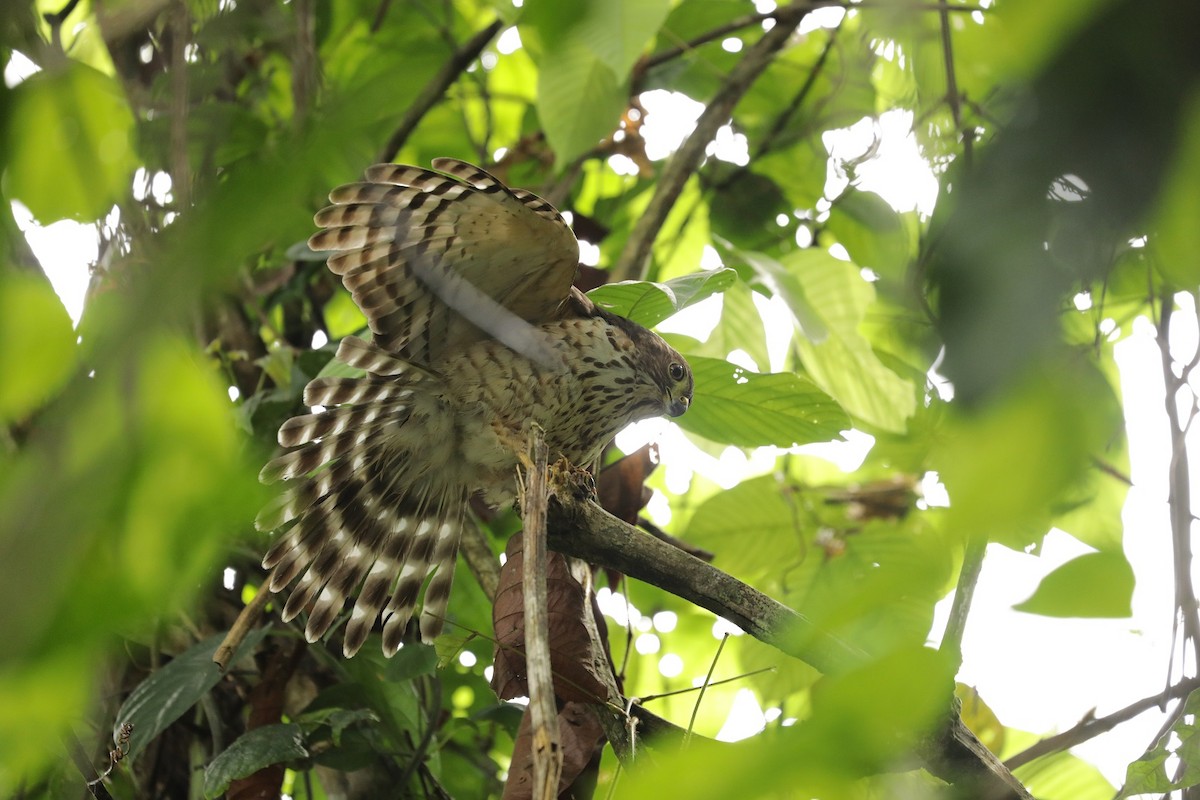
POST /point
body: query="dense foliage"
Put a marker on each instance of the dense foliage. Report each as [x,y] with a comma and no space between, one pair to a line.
[199,136]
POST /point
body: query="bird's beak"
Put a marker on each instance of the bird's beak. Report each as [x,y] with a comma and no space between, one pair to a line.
[677,408]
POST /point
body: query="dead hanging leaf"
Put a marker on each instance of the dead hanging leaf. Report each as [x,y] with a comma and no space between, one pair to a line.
[890,499]
[581,739]
[575,662]
[621,487]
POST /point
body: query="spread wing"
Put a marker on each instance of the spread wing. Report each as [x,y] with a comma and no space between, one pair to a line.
[439,259]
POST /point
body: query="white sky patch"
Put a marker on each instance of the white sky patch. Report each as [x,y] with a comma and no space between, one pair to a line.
[66,250]
[647,644]
[745,718]
[829,18]
[589,254]
[670,117]
[696,320]
[670,666]
[730,146]
[509,41]
[622,164]
[18,68]
[665,621]
[896,171]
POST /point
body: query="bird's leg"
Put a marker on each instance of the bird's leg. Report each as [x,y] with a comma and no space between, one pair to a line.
[566,478]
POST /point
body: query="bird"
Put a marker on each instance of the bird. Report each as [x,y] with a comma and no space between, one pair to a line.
[477,335]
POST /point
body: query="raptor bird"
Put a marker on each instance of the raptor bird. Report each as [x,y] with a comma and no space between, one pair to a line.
[476,335]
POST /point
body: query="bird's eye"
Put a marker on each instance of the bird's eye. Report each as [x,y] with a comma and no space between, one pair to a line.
[675,371]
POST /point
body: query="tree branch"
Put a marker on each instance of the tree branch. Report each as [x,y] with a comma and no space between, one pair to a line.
[1094,726]
[636,255]
[436,88]
[584,530]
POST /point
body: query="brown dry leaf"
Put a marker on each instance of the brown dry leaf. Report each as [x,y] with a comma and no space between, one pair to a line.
[621,487]
[571,653]
[582,739]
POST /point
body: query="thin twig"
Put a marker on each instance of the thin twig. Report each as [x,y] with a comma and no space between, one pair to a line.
[635,256]
[964,593]
[436,88]
[546,746]
[952,83]
[1090,728]
[246,620]
[704,686]
[652,697]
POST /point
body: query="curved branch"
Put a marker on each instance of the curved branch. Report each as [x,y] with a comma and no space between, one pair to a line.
[584,530]
[634,258]
[436,88]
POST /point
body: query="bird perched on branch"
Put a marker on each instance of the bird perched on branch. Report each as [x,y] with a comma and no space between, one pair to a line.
[476,335]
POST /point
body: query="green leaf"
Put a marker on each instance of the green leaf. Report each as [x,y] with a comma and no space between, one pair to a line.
[580,99]
[649,303]
[1092,585]
[735,406]
[779,281]
[843,363]
[37,345]
[169,692]
[740,328]
[584,54]
[872,232]
[759,506]
[1149,774]
[618,31]
[70,144]
[250,752]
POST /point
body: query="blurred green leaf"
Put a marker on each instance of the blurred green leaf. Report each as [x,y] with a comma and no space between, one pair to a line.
[250,752]
[71,144]
[37,345]
[1178,236]
[648,303]
[735,406]
[1007,465]
[1092,585]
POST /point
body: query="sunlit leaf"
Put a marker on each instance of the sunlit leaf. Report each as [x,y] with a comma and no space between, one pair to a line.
[649,303]
[735,406]
[872,232]
[843,363]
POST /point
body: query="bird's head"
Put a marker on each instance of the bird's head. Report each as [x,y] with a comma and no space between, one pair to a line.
[678,386]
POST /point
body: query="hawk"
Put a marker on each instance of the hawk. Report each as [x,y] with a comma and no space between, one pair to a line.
[477,334]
